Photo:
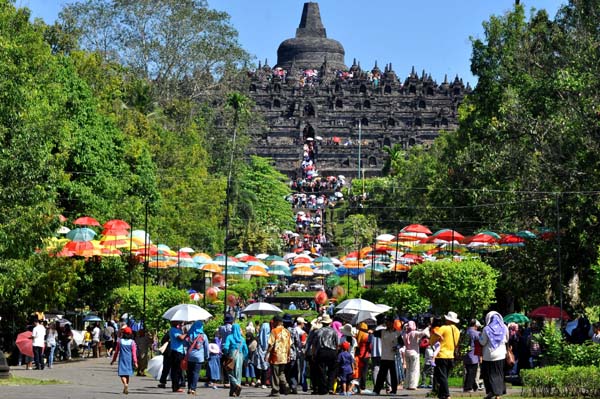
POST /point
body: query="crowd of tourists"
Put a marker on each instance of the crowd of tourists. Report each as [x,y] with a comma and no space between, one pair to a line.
[312,77]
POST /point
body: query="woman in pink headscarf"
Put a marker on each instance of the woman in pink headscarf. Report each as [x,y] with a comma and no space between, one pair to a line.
[412,338]
[337,326]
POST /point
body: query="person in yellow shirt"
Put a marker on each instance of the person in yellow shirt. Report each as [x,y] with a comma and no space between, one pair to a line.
[448,336]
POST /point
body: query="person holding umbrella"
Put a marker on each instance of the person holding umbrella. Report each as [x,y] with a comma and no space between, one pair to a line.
[177,338]
[126,353]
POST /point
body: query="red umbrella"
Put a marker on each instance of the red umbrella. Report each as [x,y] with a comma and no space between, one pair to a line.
[25,343]
[416,228]
[512,240]
[549,312]
[480,238]
[448,235]
[79,246]
[116,224]
[86,221]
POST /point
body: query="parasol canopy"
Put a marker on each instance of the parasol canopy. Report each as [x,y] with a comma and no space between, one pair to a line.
[186,312]
[261,309]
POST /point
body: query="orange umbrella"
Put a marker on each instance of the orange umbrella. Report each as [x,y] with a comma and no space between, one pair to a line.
[257,271]
[86,221]
[400,268]
[212,268]
[116,224]
[353,264]
[303,271]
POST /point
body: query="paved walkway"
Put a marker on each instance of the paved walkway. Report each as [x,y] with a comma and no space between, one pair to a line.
[97,379]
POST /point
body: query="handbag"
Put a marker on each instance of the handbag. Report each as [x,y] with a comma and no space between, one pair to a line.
[184,362]
[229,361]
[510,357]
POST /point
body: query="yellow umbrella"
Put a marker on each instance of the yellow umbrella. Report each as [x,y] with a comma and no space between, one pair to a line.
[353,264]
[212,268]
[303,271]
[256,271]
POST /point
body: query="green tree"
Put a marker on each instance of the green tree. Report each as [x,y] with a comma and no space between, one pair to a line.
[466,287]
[405,299]
[182,46]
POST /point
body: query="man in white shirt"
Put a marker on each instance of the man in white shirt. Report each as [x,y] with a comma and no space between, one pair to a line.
[96,340]
[39,338]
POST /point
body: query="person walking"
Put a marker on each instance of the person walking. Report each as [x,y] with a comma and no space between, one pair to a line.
[166,369]
[278,356]
[390,340]
[143,343]
[412,339]
[448,336]
[236,349]
[177,339]
[363,354]
[493,339]
[327,342]
[291,368]
[39,339]
[197,354]
[125,352]
[51,342]
[96,346]
[262,365]
[471,358]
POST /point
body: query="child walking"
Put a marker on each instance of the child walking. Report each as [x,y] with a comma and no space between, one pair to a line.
[126,353]
[345,368]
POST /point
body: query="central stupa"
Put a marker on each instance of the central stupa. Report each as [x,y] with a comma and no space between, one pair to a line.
[311,47]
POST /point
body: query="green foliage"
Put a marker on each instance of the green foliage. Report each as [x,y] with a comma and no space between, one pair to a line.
[158,301]
[552,344]
[466,287]
[358,230]
[559,381]
[405,299]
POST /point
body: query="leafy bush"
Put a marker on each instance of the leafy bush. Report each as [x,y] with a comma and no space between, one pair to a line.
[559,381]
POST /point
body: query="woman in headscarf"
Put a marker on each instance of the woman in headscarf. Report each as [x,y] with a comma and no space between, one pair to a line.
[337,326]
[262,366]
[235,348]
[197,354]
[363,353]
[412,338]
[493,340]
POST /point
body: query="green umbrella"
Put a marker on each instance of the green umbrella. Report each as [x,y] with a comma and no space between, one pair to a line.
[518,318]
[272,258]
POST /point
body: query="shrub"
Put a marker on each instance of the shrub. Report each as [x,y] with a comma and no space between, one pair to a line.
[559,381]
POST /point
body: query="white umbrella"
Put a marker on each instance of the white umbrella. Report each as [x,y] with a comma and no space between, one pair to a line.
[385,237]
[261,308]
[155,366]
[186,312]
[359,304]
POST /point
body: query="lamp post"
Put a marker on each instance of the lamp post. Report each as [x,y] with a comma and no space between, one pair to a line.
[146,260]
[558,260]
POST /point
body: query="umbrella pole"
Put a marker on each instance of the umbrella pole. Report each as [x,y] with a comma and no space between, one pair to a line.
[373,263]
[396,257]
[146,259]
[130,257]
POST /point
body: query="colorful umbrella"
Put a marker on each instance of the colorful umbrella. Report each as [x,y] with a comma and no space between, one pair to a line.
[256,271]
[518,318]
[416,228]
[81,234]
[211,268]
[86,221]
[549,312]
[305,271]
[512,240]
[261,309]
[186,312]
[116,224]
[25,343]
[448,235]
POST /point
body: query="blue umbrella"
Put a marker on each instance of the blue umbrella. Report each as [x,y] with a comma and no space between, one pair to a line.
[92,317]
[81,234]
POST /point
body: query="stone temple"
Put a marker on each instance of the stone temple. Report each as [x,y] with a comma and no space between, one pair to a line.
[347,113]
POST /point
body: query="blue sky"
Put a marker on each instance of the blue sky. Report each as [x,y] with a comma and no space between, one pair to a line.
[427,34]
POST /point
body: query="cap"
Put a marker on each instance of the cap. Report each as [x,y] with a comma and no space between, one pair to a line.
[127,330]
[345,345]
[228,318]
[300,320]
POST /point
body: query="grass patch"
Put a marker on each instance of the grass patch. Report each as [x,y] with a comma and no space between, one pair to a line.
[18,381]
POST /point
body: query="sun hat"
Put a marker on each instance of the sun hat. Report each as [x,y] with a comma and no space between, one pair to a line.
[326,319]
[213,348]
[228,318]
[452,317]
[347,330]
[287,318]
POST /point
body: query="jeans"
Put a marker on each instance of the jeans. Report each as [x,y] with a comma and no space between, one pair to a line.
[193,372]
[38,357]
[51,350]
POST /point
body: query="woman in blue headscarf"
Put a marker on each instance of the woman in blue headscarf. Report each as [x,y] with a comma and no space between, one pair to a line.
[493,340]
[235,348]
[262,366]
[197,354]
